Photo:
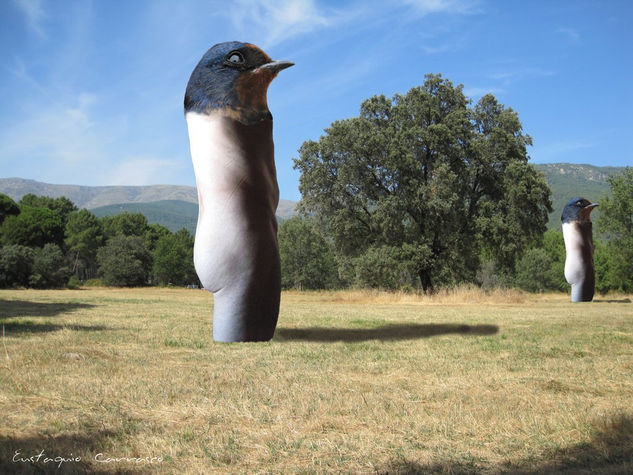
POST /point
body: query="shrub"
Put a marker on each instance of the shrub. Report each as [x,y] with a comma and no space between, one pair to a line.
[173,259]
[124,261]
[307,260]
[33,227]
[533,271]
[489,277]
[94,283]
[73,282]
[49,269]
[385,267]
[16,265]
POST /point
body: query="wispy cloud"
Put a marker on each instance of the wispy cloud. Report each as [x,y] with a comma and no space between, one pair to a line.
[145,170]
[571,35]
[425,7]
[270,23]
[64,133]
[505,78]
[70,143]
[521,73]
[273,22]
[559,151]
[449,47]
[20,72]
[478,92]
[33,13]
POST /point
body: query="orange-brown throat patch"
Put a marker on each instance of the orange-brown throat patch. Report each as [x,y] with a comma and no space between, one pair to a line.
[252,89]
[585,213]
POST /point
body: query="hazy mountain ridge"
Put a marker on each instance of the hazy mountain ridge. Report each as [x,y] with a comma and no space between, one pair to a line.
[173,214]
[581,172]
[569,180]
[94,197]
[176,206]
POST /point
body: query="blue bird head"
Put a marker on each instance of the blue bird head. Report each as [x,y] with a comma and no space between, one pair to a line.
[233,78]
[577,209]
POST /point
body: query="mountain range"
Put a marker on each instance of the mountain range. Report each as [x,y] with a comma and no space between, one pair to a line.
[173,206]
[177,206]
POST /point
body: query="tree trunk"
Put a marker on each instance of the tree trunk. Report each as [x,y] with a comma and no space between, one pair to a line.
[425,279]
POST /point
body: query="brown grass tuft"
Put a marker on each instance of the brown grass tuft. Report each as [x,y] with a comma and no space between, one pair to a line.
[458,295]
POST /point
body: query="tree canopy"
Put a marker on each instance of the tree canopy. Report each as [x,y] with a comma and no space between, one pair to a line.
[8,207]
[124,224]
[125,261]
[84,236]
[46,241]
[616,224]
[307,261]
[427,180]
[173,259]
[62,205]
[33,227]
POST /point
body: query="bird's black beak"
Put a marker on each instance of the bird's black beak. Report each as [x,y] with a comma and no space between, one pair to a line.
[276,66]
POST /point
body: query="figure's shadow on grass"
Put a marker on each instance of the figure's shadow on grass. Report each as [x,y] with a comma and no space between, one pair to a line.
[610,451]
[24,308]
[612,300]
[26,311]
[392,332]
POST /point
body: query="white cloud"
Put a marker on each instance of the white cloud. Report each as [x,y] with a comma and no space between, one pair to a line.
[20,72]
[62,142]
[33,15]
[272,22]
[571,35]
[425,7]
[439,49]
[68,144]
[78,113]
[62,132]
[558,151]
[145,171]
[521,73]
[477,92]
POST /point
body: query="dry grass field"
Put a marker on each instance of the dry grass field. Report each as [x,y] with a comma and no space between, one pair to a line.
[129,381]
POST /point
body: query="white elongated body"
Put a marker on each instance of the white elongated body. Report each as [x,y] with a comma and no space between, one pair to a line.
[236,254]
[579,268]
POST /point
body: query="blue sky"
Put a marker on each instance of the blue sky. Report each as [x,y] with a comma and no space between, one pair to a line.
[91,92]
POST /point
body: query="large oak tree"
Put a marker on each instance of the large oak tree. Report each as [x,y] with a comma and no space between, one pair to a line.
[428,178]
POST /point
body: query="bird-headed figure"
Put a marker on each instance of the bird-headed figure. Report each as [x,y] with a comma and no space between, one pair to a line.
[236,254]
[577,233]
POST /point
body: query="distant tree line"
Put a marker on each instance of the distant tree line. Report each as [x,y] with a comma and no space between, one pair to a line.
[48,242]
[310,259]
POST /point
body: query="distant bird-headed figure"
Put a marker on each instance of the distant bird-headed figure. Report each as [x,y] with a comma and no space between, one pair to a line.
[236,253]
[577,232]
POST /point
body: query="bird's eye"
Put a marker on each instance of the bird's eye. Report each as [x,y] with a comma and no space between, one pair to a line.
[235,57]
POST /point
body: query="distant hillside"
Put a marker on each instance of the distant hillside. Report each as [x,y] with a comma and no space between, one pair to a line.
[93,197]
[176,206]
[96,196]
[172,214]
[569,180]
